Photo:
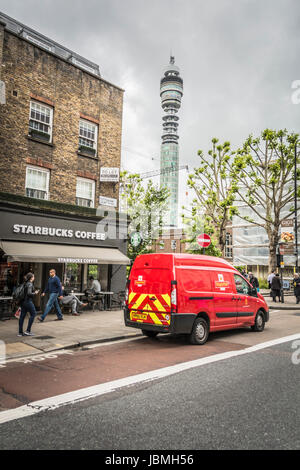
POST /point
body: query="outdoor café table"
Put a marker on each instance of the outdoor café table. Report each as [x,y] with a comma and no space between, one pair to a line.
[107,297]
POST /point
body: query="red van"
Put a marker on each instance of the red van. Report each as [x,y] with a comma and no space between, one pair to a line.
[190,294]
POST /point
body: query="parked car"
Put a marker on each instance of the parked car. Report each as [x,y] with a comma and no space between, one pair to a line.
[190,294]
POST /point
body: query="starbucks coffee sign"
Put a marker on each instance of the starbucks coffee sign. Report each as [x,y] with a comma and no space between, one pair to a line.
[57,232]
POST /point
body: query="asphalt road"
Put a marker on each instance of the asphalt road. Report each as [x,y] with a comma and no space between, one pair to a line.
[246,402]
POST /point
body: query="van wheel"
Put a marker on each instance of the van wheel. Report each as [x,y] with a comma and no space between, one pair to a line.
[259,324]
[200,331]
[150,334]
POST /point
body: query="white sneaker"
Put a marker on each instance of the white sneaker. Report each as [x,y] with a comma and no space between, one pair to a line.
[27,333]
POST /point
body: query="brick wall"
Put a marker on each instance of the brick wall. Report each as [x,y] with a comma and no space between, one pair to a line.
[29,72]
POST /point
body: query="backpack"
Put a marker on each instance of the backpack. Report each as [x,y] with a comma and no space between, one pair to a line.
[19,294]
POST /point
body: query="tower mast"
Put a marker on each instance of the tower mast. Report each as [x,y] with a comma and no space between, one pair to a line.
[171,91]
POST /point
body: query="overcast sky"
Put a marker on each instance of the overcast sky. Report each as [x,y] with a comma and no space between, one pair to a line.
[237,58]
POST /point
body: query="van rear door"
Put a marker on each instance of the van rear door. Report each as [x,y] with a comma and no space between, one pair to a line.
[149,299]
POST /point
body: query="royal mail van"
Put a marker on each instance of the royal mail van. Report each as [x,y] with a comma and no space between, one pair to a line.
[190,294]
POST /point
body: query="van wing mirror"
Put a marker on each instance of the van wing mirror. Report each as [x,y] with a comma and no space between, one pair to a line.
[252,291]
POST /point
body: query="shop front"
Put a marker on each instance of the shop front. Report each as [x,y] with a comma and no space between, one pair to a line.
[76,247]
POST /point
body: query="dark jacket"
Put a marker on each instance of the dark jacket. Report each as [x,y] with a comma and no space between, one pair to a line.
[54,286]
[297,286]
[29,291]
[276,283]
[254,281]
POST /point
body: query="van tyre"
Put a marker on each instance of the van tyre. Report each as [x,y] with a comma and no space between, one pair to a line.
[150,334]
[200,331]
[259,324]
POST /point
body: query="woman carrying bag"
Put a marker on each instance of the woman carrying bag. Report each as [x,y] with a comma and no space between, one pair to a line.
[27,305]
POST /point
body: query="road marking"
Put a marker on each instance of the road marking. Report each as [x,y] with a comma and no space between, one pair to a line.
[37,357]
[76,396]
[98,345]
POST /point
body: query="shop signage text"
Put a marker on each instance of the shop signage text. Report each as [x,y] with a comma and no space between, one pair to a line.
[108,174]
[107,201]
[57,232]
[78,260]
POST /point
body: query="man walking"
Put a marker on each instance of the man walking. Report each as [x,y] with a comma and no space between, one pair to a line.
[55,292]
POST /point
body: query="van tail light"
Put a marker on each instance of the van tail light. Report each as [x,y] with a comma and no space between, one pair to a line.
[127,291]
[174,296]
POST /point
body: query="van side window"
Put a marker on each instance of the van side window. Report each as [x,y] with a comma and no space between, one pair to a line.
[242,286]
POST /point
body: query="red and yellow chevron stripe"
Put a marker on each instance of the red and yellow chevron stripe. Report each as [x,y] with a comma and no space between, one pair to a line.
[150,308]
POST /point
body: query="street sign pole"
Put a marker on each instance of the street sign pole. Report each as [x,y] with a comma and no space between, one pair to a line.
[281,253]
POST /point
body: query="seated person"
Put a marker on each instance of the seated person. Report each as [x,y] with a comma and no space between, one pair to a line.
[95,285]
[72,301]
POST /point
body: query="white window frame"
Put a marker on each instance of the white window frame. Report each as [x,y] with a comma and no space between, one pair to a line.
[93,189]
[41,170]
[228,245]
[93,124]
[41,122]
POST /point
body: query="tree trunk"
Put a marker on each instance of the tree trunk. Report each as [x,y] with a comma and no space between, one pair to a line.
[273,236]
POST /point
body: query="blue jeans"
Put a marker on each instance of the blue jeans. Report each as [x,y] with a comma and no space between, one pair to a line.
[27,306]
[52,301]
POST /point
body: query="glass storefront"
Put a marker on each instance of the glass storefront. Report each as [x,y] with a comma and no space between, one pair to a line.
[8,278]
[73,276]
[74,247]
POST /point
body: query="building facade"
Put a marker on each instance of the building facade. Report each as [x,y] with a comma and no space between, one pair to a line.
[61,122]
[60,151]
[171,241]
[171,91]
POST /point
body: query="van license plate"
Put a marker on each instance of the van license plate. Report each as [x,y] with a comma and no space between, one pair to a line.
[138,316]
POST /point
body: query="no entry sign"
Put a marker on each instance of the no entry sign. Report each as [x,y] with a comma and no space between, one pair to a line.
[203,240]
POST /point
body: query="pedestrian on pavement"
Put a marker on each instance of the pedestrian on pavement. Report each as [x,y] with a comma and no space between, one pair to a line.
[254,281]
[55,292]
[270,277]
[244,274]
[276,287]
[27,305]
[72,300]
[297,287]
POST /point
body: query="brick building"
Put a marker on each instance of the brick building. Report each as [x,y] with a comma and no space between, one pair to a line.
[60,128]
[171,241]
[60,116]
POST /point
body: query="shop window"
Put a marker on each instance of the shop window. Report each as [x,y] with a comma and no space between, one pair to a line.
[40,121]
[87,137]
[8,278]
[99,272]
[85,192]
[72,277]
[37,183]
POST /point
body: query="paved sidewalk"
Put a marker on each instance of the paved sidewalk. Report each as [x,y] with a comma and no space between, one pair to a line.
[89,327]
[289,301]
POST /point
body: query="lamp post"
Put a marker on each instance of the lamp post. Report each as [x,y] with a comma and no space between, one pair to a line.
[296,210]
